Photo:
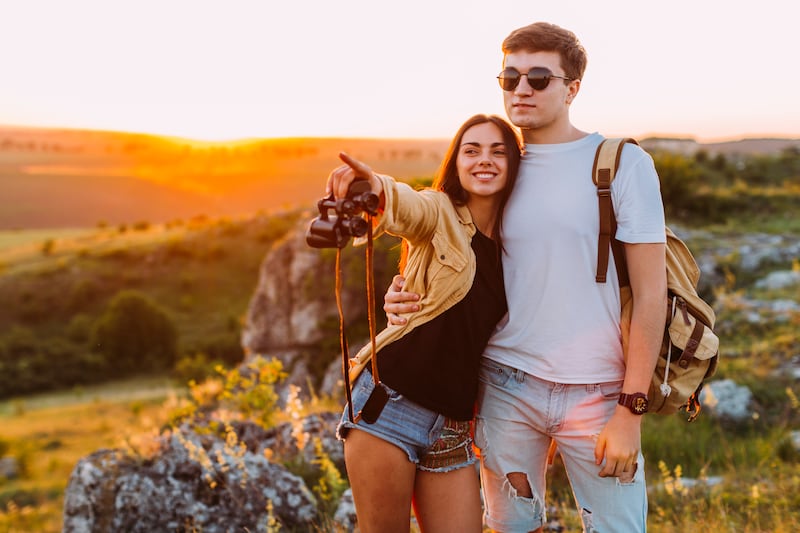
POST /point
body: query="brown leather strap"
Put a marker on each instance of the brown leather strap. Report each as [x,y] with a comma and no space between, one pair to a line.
[606,162]
[620,261]
[691,345]
[606,213]
[370,252]
[342,336]
[371,299]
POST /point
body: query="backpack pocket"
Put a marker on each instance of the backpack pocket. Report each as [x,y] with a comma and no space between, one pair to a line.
[690,336]
[688,356]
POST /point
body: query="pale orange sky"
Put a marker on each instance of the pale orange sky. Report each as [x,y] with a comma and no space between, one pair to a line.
[710,69]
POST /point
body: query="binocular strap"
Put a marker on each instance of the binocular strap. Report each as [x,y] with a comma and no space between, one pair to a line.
[370,281]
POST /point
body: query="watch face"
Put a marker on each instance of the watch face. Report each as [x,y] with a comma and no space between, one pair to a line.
[640,404]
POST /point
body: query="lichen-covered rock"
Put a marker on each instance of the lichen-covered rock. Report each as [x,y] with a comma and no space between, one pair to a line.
[283,439]
[727,400]
[195,481]
[345,516]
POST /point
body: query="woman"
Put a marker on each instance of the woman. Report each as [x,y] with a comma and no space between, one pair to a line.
[419,449]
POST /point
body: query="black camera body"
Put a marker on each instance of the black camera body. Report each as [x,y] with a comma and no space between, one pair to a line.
[334,230]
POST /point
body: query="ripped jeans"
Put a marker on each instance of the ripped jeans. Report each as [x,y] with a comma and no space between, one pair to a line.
[518,415]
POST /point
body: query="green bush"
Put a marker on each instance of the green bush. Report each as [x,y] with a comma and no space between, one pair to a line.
[195,368]
[136,335]
[79,328]
[31,364]
[679,180]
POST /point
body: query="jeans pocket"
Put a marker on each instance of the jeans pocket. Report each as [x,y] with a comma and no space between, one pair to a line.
[494,373]
[610,389]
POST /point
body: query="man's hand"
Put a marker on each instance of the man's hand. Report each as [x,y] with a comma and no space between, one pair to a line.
[619,445]
[397,301]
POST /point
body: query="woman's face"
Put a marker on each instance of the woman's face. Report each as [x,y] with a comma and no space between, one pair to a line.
[481,162]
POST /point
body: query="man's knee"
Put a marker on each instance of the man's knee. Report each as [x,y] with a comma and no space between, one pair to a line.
[519,481]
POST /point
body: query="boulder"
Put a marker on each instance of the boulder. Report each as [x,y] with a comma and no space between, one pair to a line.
[728,400]
[9,468]
[198,480]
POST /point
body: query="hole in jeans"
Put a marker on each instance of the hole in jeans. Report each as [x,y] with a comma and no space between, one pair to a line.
[519,481]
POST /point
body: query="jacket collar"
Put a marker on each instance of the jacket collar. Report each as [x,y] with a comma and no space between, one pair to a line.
[465,217]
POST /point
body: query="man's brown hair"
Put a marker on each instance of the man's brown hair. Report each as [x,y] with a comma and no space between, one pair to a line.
[546,37]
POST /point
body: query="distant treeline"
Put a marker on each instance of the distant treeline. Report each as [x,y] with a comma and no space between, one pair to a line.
[702,189]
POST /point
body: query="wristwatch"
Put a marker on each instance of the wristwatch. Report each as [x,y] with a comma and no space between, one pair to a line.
[636,402]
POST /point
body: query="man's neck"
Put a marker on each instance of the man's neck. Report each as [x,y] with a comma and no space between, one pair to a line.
[552,135]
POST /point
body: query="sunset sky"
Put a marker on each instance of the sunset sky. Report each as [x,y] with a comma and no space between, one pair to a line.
[709,69]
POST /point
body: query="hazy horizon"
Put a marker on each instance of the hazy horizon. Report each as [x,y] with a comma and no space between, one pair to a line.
[237,140]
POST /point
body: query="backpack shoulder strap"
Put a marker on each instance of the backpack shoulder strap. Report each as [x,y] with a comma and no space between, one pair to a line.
[606,161]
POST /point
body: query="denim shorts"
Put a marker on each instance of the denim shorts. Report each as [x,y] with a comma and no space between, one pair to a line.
[518,416]
[434,442]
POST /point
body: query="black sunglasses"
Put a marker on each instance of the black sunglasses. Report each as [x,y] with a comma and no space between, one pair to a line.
[538,78]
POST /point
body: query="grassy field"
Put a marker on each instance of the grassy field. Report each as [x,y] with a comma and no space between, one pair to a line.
[11,239]
[27,249]
[49,433]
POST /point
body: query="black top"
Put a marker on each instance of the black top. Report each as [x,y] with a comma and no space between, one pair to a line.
[436,364]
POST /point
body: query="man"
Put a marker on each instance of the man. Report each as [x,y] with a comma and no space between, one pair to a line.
[555,369]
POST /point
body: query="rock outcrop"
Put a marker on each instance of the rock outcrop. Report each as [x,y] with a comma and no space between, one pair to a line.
[198,481]
[293,315]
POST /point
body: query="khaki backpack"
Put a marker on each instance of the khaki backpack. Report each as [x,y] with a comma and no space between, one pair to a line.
[690,349]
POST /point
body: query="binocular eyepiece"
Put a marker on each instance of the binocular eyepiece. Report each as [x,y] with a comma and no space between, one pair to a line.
[334,230]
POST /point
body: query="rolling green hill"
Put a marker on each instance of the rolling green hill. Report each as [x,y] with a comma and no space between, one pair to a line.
[200,273]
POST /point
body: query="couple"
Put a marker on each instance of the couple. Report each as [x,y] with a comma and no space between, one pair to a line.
[509,318]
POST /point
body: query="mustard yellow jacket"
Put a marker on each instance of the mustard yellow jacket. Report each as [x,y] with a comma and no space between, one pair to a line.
[441,264]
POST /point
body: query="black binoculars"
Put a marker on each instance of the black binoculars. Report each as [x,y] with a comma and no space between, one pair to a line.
[334,230]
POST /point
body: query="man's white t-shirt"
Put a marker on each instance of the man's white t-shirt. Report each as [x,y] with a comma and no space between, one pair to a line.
[562,325]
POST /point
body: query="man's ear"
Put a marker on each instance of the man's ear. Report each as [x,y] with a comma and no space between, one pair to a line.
[574,88]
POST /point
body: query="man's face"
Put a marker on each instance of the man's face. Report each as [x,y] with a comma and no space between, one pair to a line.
[537,109]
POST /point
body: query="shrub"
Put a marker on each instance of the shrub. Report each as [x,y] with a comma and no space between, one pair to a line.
[30,364]
[195,368]
[679,179]
[48,247]
[135,334]
[248,390]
